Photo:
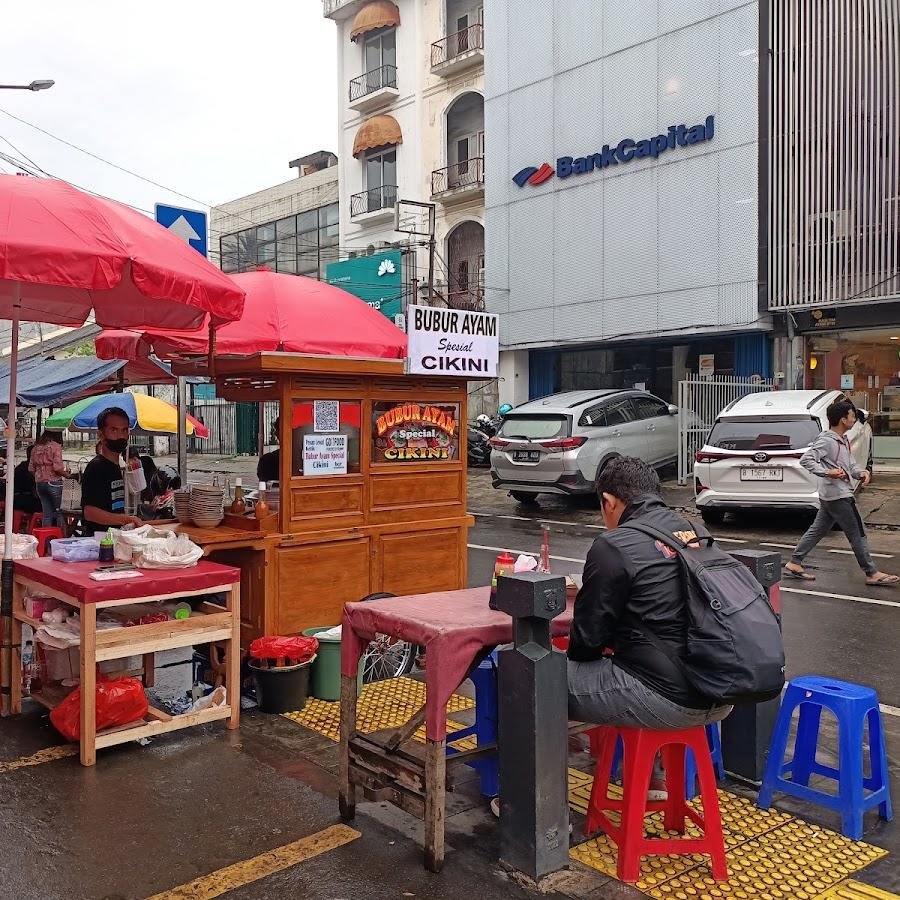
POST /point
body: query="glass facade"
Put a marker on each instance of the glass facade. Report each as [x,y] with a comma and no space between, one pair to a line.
[303,244]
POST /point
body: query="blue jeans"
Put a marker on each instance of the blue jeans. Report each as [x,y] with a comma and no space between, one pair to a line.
[50,495]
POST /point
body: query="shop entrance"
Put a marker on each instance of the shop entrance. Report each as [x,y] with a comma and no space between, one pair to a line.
[866,365]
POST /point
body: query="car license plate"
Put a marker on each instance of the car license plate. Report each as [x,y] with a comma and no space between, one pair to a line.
[526,455]
[762,473]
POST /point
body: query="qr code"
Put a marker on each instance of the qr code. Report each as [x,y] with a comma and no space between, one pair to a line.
[326,416]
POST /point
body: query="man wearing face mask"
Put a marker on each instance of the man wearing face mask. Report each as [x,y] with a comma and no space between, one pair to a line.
[103,484]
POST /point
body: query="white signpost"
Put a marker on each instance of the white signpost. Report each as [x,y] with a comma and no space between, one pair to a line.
[452,342]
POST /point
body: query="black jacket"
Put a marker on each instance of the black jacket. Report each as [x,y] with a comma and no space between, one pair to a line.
[627,575]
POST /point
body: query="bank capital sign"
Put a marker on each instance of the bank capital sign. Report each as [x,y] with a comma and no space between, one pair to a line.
[624,152]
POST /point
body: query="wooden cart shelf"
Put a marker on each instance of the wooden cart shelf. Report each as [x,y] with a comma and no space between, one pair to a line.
[211,623]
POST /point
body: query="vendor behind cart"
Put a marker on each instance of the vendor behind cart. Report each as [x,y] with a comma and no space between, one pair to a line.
[103,483]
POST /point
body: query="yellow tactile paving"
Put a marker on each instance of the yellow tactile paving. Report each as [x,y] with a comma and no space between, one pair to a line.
[856,890]
[384,704]
[793,862]
[771,855]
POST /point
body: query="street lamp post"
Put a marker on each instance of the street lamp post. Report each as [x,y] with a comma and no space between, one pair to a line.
[42,84]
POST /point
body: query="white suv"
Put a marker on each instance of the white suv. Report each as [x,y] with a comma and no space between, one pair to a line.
[751,458]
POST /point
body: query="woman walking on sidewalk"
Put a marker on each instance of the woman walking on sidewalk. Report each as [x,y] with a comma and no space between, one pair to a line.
[831,460]
[48,468]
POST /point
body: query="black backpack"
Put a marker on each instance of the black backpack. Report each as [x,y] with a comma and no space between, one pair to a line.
[733,648]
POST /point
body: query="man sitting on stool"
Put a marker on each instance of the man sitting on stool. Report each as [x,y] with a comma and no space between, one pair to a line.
[616,675]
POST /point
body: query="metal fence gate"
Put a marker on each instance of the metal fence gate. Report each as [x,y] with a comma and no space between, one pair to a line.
[700,400]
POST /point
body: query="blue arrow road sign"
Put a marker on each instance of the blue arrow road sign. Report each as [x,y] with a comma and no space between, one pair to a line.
[188,224]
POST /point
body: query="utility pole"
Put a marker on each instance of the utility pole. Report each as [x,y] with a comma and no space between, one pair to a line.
[431,248]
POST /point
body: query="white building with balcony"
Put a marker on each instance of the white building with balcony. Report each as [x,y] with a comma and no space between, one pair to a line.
[411,119]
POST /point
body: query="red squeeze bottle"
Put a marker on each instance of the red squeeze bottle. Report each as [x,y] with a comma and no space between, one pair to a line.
[504,565]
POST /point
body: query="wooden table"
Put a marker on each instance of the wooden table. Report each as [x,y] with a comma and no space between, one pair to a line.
[456,628]
[71,584]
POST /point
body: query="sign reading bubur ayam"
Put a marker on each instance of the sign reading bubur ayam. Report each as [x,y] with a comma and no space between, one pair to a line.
[415,432]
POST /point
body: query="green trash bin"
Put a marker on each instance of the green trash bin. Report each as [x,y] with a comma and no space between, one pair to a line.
[325,683]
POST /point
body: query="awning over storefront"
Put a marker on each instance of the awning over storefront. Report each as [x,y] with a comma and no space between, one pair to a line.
[379,131]
[378,14]
[46,382]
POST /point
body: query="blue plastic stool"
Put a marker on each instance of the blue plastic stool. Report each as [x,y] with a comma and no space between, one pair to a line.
[714,740]
[485,728]
[852,705]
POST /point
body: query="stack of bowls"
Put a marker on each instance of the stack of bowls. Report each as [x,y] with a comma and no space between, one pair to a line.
[183,505]
[206,505]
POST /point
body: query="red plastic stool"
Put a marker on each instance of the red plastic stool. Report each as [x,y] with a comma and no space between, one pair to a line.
[36,521]
[44,536]
[641,746]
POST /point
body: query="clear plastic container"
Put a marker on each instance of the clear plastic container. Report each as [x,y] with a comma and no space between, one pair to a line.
[75,549]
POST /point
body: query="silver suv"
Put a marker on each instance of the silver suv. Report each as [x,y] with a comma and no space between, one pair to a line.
[558,444]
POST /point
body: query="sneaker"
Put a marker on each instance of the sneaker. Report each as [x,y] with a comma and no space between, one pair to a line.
[657,792]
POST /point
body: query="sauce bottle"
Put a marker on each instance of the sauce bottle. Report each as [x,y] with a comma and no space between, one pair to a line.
[504,565]
[262,508]
[238,507]
[107,548]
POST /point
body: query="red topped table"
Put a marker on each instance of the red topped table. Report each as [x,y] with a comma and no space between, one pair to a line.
[71,583]
[454,627]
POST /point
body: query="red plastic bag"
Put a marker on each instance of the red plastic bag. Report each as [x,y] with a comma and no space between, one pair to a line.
[120,701]
[297,648]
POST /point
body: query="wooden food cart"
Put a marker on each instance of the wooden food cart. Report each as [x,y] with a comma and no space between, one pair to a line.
[373,487]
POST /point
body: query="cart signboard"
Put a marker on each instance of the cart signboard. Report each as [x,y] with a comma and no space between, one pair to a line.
[452,342]
[415,432]
[324,454]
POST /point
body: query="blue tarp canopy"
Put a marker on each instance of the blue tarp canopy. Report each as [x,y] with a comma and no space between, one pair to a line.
[46,382]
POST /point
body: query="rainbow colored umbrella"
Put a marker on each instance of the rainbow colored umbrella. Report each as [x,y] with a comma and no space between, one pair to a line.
[147,415]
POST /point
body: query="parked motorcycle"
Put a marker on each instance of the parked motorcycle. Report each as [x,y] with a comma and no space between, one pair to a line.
[479,450]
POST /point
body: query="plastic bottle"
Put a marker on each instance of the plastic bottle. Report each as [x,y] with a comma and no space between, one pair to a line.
[27,662]
[504,565]
[31,670]
[238,507]
[107,548]
[262,508]
[544,564]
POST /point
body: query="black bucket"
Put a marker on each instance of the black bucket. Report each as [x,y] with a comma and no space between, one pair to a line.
[281,689]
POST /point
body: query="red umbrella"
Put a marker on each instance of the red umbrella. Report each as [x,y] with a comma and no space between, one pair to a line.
[283,312]
[64,253]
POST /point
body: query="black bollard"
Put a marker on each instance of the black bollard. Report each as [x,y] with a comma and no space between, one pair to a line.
[747,732]
[533,728]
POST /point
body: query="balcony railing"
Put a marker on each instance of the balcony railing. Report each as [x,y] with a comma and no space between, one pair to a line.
[471,38]
[469,173]
[376,80]
[471,299]
[373,200]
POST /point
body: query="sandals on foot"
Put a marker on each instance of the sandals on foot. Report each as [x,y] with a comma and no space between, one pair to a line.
[800,576]
[883,581]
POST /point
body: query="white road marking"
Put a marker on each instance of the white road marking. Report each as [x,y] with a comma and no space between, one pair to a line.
[830,550]
[873,600]
[570,524]
[722,540]
[875,555]
[889,710]
[521,552]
